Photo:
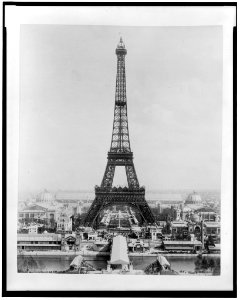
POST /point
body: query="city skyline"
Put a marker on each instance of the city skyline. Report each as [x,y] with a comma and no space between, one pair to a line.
[174,96]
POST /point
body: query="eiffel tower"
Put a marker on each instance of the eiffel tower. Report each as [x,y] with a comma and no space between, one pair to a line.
[120,154]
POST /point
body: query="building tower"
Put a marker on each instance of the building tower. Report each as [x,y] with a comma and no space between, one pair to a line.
[120,154]
[78,240]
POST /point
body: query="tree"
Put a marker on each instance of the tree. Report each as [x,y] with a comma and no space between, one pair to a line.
[162,247]
[53,225]
[205,264]
[211,263]
[198,264]
[217,269]
[167,228]
[211,241]
[77,221]
[167,214]
[179,236]
[132,235]
[202,264]
[207,245]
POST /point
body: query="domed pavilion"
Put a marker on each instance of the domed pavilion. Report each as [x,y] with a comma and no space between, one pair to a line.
[45,197]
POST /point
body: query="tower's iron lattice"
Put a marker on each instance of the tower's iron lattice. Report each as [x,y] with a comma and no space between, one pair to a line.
[120,154]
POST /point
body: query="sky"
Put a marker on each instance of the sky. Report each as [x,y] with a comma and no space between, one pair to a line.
[174,98]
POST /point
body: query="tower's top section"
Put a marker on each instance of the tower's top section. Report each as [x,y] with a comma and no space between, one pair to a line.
[121,50]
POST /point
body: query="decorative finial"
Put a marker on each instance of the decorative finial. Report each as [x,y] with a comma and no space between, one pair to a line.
[121,44]
[121,47]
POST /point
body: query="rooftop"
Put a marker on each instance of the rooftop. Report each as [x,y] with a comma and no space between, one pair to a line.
[212,224]
[39,237]
[205,209]
[119,254]
[193,198]
[182,242]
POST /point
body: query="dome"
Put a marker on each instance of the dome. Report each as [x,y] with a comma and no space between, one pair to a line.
[186,209]
[194,198]
[195,218]
[45,197]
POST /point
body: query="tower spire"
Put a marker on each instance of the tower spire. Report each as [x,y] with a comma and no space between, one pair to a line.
[120,44]
[120,151]
[120,135]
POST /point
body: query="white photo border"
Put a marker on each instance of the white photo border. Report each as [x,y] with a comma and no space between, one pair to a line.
[125,16]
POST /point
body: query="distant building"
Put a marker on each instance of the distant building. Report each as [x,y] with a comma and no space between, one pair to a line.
[212,228]
[74,196]
[45,197]
[183,246]
[186,213]
[37,212]
[178,214]
[39,242]
[206,214]
[179,228]
[48,241]
[64,223]
[195,211]
[195,217]
[194,201]
[137,245]
[33,229]
[161,201]
[193,198]
[155,232]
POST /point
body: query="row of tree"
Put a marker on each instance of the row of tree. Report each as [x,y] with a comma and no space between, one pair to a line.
[203,264]
[78,221]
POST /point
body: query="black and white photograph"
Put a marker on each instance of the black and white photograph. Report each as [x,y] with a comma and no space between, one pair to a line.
[123,160]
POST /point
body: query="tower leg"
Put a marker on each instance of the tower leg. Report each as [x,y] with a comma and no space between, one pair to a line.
[108,175]
[131,176]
